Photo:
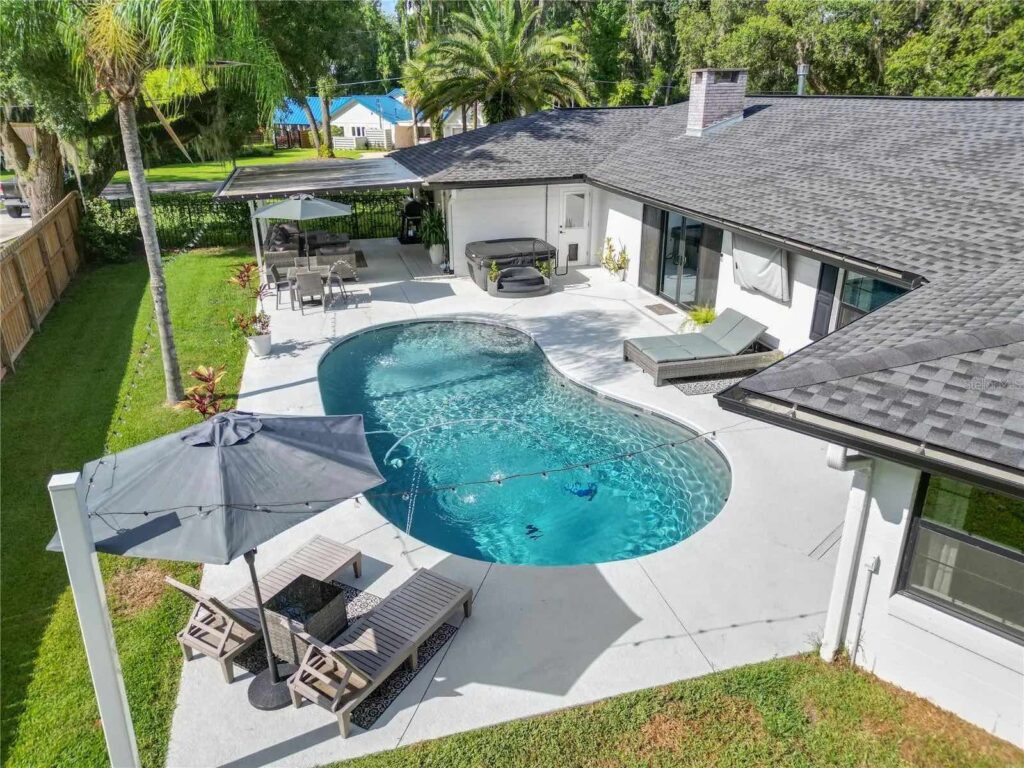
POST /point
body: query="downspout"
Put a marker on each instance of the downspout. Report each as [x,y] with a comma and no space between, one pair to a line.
[845,581]
[871,568]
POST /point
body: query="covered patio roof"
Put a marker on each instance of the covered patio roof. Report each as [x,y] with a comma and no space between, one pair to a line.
[256,182]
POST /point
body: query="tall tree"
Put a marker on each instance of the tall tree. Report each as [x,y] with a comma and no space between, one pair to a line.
[325,90]
[972,47]
[114,43]
[37,86]
[496,54]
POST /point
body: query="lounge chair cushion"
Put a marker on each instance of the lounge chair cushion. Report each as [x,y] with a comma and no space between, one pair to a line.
[682,346]
[734,331]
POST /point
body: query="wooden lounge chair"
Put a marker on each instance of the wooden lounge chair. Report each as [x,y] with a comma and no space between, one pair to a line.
[721,348]
[221,629]
[214,630]
[341,675]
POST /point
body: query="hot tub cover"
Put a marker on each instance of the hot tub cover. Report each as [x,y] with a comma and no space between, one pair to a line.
[509,247]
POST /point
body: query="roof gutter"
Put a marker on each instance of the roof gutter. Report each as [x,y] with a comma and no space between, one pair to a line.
[873,442]
[580,178]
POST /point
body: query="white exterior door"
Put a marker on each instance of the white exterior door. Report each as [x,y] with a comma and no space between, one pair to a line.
[573,227]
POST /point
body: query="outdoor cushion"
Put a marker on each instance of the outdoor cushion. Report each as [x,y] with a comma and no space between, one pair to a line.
[681,346]
[733,331]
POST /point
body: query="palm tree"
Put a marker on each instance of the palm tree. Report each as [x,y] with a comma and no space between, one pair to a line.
[415,81]
[499,54]
[115,43]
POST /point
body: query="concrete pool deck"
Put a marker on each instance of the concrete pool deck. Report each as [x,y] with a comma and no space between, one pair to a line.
[750,586]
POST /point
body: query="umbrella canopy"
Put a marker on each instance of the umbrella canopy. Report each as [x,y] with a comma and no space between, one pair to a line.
[302,208]
[218,489]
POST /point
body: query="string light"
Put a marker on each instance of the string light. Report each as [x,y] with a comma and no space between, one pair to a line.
[405,494]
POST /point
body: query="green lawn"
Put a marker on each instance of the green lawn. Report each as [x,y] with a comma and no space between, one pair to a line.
[218,171]
[59,410]
[788,712]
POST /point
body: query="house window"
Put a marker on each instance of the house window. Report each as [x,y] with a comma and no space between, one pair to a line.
[861,294]
[358,130]
[965,554]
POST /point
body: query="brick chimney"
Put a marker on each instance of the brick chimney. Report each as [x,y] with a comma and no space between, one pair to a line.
[716,99]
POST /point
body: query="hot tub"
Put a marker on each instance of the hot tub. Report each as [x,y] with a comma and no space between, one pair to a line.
[508,252]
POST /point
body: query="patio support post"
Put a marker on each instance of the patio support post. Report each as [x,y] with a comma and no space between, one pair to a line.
[94,618]
[256,236]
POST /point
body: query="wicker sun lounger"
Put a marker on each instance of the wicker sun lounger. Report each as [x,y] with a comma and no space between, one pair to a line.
[221,629]
[720,349]
[339,676]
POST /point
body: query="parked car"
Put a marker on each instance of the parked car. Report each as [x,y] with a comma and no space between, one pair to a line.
[13,201]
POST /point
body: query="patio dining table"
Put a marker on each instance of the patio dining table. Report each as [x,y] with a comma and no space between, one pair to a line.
[322,271]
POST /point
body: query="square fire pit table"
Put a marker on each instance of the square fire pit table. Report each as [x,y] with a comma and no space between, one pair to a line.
[317,606]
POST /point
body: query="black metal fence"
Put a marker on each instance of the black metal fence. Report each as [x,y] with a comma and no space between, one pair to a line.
[197,221]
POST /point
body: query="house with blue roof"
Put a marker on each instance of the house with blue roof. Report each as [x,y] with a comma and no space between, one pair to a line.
[376,121]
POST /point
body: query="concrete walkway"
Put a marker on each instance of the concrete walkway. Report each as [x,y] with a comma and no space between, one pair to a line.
[752,585]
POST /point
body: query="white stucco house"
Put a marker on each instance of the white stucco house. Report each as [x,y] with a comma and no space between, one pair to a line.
[881,241]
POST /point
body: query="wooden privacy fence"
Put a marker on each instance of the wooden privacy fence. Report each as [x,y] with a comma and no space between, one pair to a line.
[35,269]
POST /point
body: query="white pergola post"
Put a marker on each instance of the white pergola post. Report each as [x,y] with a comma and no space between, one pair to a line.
[256,236]
[97,631]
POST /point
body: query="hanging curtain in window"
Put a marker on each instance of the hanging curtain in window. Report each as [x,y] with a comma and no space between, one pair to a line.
[758,266]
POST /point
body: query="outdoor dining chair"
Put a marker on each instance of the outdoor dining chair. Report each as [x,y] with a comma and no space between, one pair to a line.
[309,284]
[336,277]
[280,284]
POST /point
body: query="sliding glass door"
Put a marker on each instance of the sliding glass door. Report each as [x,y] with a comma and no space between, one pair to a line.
[682,266]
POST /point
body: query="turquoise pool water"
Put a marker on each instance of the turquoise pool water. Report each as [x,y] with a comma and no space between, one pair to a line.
[452,403]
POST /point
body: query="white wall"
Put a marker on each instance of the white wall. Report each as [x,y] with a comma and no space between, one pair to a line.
[620,219]
[960,667]
[489,213]
[789,323]
[378,130]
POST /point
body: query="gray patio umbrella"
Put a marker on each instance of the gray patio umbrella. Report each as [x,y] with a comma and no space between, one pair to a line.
[299,208]
[218,489]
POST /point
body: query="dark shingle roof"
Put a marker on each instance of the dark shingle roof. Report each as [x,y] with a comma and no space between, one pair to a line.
[925,186]
[942,365]
[556,144]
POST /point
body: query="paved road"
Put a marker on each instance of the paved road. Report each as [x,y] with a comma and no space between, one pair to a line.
[11,228]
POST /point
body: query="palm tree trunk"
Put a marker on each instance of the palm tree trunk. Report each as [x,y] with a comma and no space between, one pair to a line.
[157,286]
[463,118]
[415,123]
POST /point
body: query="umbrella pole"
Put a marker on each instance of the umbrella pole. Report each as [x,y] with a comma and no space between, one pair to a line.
[304,241]
[268,690]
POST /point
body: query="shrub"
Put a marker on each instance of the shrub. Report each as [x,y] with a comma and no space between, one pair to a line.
[702,315]
[110,233]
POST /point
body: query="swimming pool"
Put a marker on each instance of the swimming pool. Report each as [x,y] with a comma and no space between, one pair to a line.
[452,408]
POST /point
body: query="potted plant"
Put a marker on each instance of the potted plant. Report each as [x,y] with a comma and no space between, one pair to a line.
[616,262]
[697,317]
[255,328]
[544,267]
[256,331]
[434,235]
[493,273]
